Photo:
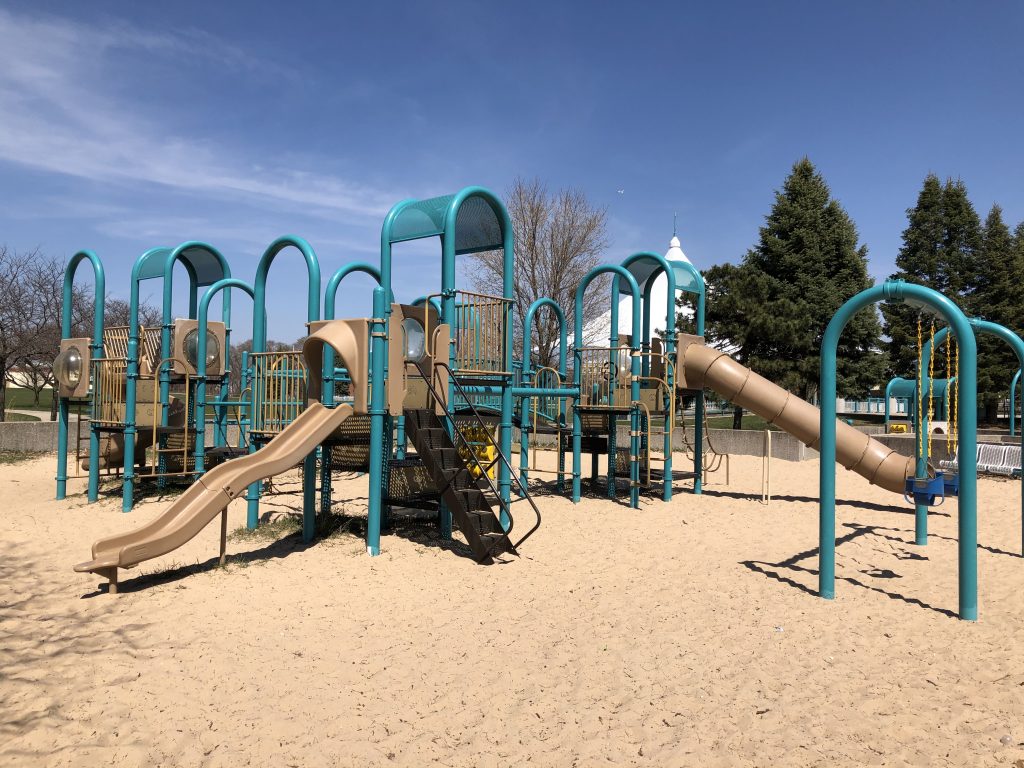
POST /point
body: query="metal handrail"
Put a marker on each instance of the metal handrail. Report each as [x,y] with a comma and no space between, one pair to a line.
[506,507]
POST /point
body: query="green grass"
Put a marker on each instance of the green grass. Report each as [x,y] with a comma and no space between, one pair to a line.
[21,417]
[282,526]
[21,399]
[17,457]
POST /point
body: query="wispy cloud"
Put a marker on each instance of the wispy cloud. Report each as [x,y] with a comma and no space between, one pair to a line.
[62,114]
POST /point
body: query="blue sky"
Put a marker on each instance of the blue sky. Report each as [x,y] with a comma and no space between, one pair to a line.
[129,125]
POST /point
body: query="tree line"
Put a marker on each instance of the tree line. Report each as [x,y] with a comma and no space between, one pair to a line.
[32,285]
[771,309]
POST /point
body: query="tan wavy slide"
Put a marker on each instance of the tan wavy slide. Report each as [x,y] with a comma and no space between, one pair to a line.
[211,494]
[704,367]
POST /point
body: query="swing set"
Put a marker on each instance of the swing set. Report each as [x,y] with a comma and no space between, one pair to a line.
[929,487]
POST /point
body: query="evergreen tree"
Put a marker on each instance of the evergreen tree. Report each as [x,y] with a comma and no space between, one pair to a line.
[771,310]
[940,249]
[917,262]
[996,294]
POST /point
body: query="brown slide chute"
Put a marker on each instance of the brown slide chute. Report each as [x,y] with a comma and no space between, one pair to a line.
[700,366]
[211,494]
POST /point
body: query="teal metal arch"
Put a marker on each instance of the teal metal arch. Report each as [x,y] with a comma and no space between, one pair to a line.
[330,307]
[527,374]
[334,283]
[203,322]
[259,324]
[967,523]
[440,217]
[680,276]
[1017,345]
[259,344]
[906,389]
[577,427]
[1014,384]
[204,265]
[421,300]
[95,353]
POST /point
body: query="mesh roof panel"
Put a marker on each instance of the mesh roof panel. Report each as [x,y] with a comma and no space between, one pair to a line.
[643,268]
[422,218]
[477,228]
[207,267]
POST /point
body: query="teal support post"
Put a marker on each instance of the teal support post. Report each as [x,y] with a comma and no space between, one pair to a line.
[203,323]
[95,353]
[967,523]
[132,376]
[1017,345]
[244,412]
[378,412]
[888,398]
[698,413]
[259,344]
[1013,402]
[613,370]
[577,426]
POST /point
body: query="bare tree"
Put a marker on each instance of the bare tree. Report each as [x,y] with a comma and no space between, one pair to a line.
[31,329]
[235,359]
[28,312]
[559,237]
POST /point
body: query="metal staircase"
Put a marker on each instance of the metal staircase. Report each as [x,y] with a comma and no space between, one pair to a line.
[474,502]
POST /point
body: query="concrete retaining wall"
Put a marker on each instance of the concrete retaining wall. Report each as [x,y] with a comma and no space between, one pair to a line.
[28,436]
[41,436]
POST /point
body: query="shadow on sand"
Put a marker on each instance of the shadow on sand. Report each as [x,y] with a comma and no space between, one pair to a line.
[777,571]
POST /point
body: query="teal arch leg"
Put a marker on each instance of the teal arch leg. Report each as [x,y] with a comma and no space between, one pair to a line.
[62,448]
[309,497]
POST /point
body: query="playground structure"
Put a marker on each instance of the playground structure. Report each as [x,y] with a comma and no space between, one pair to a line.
[138,385]
[438,376]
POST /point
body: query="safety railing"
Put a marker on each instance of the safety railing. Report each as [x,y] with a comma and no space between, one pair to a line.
[551,408]
[149,345]
[278,390]
[173,445]
[604,377]
[115,341]
[479,333]
[109,379]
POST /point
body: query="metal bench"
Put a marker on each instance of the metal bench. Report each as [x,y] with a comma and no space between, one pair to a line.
[992,458]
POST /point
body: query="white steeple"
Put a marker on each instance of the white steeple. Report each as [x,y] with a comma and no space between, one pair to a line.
[598,330]
[675,251]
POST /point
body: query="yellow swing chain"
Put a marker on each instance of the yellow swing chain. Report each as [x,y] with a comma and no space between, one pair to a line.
[956,399]
[931,387]
[920,388]
[949,392]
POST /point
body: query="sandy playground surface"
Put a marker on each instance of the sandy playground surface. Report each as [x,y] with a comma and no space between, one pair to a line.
[680,634]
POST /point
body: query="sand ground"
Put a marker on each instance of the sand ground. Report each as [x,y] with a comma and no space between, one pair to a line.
[680,634]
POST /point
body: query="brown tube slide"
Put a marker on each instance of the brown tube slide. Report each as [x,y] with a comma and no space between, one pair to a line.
[704,367]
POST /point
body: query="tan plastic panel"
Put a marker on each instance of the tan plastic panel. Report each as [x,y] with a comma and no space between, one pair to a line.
[350,340]
[82,389]
[397,378]
[182,326]
[112,444]
[704,367]
[208,497]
